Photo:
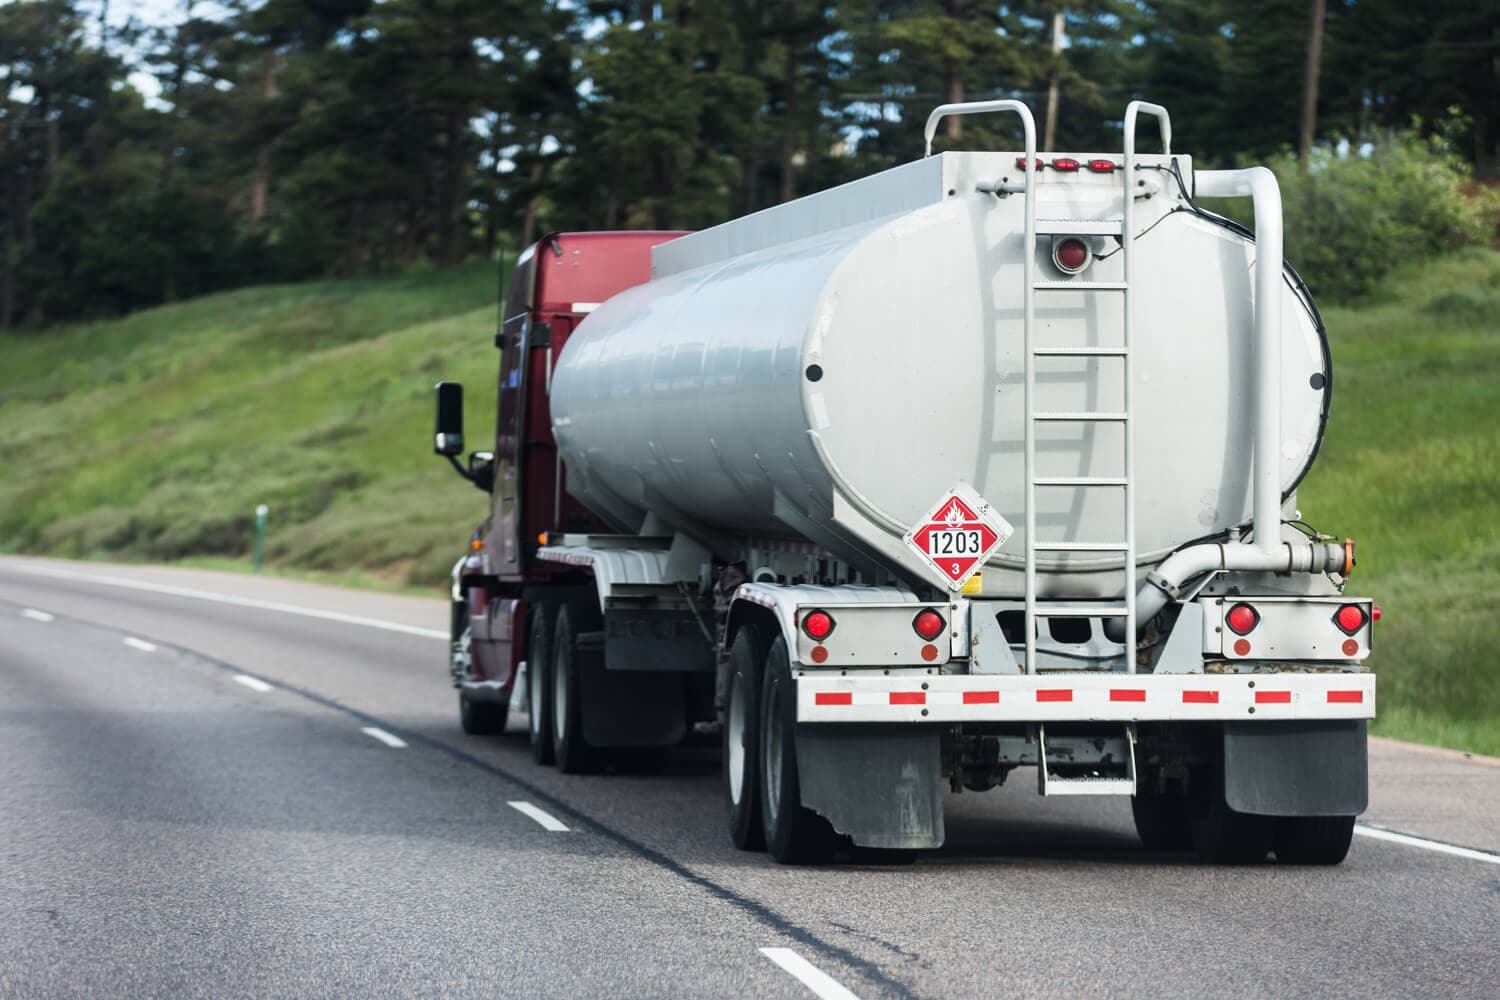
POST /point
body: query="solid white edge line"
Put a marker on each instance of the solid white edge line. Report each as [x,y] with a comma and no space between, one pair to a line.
[384,737]
[253,683]
[243,602]
[141,644]
[35,615]
[809,975]
[1407,840]
[543,817]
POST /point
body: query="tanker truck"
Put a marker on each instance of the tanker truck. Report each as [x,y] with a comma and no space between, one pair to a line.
[988,461]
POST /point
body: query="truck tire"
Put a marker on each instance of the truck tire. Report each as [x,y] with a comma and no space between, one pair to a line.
[1162,819]
[1313,840]
[794,834]
[742,739]
[539,683]
[481,718]
[1222,836]
[569,748]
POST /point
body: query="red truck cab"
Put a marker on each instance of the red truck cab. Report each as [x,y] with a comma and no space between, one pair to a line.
[556,283]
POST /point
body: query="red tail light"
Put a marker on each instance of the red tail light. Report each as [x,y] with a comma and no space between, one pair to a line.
[1242,618]
[1065,163]
[1021,163]
[928,624]
[1070,255]
[818,625]
[1350,618]
[1102,166]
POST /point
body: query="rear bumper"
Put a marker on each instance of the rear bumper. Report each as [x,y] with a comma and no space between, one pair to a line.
[1086,698]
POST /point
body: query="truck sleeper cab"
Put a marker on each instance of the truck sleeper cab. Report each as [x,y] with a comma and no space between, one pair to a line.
[754,434]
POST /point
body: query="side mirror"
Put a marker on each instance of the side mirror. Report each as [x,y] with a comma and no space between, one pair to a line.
[448,436]
[482,470]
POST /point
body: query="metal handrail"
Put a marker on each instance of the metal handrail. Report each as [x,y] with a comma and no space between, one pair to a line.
[978,108]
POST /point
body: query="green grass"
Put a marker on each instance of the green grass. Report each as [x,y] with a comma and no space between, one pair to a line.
[1410,468]
[154,437]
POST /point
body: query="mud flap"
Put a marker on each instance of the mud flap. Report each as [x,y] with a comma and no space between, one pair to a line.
[634,709]
[1305,768]
[880,785]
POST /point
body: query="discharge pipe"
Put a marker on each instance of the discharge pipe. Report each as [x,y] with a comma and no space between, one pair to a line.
[1268,553]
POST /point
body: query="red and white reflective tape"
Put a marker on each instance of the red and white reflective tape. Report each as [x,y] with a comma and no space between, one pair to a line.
[1165,697]
[748,592]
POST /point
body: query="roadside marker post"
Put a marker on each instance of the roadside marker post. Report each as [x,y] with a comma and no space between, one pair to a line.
[260,534]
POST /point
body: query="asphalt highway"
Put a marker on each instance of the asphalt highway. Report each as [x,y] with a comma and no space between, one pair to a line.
[215,785]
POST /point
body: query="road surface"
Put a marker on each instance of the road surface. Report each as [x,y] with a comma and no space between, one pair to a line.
[218,785]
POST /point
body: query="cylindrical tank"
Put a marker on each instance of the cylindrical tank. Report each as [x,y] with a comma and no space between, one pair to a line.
[854,375]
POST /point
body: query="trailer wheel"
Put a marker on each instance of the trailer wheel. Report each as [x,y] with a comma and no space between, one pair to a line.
[1162,819]
[1313,840]
[572,752]
[1222,836]
[794,834]
[742,739]
[539,684]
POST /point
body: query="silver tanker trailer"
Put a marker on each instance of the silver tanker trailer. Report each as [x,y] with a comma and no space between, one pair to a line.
[987,461]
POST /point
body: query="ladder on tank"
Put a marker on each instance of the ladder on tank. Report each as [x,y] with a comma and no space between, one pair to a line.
[1124,546]
[1051,784]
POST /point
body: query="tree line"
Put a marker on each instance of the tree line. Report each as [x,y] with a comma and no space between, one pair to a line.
[273,140]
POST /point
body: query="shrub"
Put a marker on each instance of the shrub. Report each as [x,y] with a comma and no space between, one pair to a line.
[1352,217]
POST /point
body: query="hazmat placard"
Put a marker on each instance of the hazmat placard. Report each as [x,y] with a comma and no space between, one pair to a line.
[958,534]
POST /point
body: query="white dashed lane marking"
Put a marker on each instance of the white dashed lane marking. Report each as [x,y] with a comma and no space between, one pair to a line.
[253,683]
[821,983]
[35,615]
[384,737]
[543,817]
[141,644]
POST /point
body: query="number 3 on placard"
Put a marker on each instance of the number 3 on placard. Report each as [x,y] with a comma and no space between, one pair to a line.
[956,570]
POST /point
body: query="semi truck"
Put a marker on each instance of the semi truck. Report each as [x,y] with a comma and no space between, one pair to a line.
[982,463]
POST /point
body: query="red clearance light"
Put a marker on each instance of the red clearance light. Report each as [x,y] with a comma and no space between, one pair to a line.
[1375,613]
[1021,163]
[928,624]
[1102,166]
[818,625]
[1065,163]
[1070,255]
[1350,618]
[1242,618]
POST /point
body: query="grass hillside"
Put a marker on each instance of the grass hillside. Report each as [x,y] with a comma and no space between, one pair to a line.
[1410,469]
[154,437]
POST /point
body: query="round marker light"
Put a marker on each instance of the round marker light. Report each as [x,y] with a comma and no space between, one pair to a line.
[928,624]
[818,625]
[1070,255]
[1350,618]
[1242,618]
